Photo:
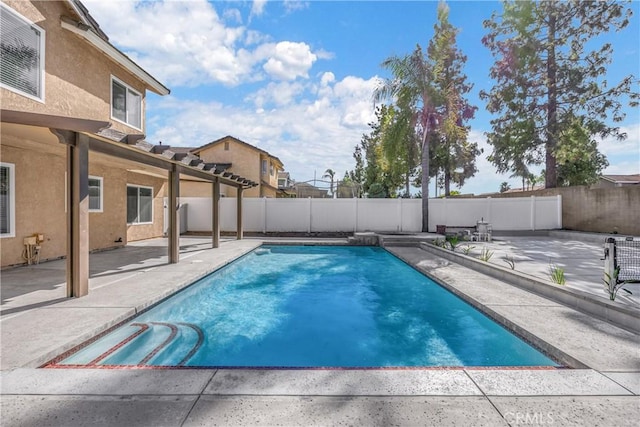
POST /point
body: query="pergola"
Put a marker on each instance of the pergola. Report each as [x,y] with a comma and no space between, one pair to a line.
[81,136]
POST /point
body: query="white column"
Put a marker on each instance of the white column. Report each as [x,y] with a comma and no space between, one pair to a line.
[533,213]
[264,214]
[310,215]
[355,222]
[559,203]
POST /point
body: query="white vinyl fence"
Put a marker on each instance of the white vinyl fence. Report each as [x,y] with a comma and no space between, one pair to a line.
[390,215]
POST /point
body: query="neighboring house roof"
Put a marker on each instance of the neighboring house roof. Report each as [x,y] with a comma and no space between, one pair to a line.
[622,179]
[89,30]
[225,138]
[283,175]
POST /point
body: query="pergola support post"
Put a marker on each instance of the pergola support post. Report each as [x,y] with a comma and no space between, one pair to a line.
[215,214]
[239,229]
[174,213]
[77,212]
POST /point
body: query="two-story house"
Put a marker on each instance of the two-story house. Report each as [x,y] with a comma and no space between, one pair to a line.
[75,172]
[246,160]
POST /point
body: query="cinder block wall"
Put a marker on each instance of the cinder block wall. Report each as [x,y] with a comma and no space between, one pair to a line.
[598,210]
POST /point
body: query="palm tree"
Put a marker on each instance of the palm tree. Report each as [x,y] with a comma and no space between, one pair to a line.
[329,173]
[412,86]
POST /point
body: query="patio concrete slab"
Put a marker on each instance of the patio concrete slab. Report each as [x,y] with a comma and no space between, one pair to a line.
[629,380]
[412,382]
[574,382]
[82,411]
[355,411]
[596,343]
[105,382]
[50,331]
[579,411]
[581,260]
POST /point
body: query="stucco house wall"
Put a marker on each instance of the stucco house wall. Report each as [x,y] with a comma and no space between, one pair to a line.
[77,75]
[39,200]
[77,84]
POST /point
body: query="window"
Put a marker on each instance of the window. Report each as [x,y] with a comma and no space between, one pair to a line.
[126,104]
[95,194]
[139,205]
[264,167]
[22,47]
[7,200]
[226,146]
[271,169]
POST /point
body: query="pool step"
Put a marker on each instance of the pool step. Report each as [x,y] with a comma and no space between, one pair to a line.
[142,344]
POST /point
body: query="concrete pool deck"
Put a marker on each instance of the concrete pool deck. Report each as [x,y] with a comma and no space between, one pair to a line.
[38,323]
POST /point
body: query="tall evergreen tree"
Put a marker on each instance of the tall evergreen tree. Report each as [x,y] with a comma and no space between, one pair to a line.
[452,153]
[545,75]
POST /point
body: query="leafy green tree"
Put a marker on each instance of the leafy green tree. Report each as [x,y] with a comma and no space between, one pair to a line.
[377,191]
[504,187]
[521,170]
[549,68]
[579,161]
[372,166]
[357,175]
[401,146]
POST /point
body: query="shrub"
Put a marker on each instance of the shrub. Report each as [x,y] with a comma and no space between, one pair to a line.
[485,255]
[556,274]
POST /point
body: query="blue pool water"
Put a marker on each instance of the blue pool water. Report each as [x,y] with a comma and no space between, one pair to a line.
[312,306]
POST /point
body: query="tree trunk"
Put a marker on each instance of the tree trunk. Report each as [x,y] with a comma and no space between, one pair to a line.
[551,178]
[407,183]
[447,182]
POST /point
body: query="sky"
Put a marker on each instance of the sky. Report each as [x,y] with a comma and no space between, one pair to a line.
[296,78]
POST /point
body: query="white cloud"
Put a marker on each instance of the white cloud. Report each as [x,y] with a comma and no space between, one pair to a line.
[257,8]
[307,129]
[278,94]
[233,15]
[289,60]
[188,44]
[631,146]
[294,5]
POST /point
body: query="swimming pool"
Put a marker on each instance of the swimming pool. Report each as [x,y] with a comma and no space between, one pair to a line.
[311,306]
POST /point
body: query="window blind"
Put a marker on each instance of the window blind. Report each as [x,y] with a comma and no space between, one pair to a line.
[20,65]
